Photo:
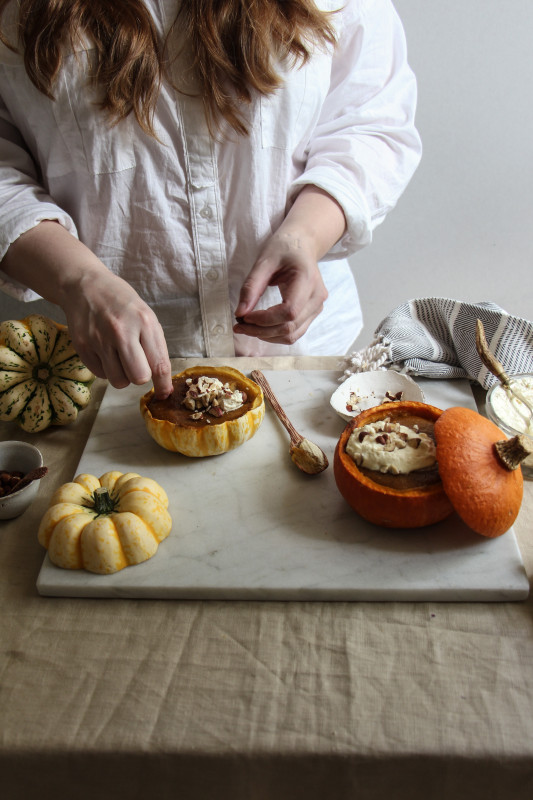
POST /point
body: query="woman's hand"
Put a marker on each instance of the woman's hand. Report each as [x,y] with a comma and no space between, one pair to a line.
[289,260]
[115,333]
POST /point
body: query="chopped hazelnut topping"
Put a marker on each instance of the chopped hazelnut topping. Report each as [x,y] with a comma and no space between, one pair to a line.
[391,447]
[393,398]
[206,395]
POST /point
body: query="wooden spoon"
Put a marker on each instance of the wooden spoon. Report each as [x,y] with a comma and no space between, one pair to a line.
[494,367]
[306,455]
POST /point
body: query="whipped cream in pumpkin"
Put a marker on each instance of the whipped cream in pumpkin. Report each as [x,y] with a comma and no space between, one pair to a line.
[387,446]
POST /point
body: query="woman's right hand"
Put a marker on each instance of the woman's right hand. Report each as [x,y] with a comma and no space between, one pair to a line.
[115,333]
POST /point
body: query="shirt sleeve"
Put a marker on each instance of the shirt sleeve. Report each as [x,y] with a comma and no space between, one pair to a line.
[365,147]
[23,202]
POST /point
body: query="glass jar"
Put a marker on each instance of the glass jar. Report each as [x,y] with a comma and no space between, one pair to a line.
[502,410]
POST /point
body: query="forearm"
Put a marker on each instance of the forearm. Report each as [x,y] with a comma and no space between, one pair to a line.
[315,220]
[114,331]
[52,262]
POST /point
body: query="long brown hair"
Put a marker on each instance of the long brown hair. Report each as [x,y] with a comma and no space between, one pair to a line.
[235,47]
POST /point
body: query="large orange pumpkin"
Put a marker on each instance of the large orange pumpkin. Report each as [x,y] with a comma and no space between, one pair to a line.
[478,473]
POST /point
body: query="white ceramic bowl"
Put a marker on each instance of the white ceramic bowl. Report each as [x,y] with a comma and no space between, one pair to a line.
[19,457]
[370,389]
[504,414]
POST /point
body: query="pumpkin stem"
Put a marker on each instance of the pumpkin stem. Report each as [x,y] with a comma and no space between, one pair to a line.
[41,372]
[511,452]
[103,502]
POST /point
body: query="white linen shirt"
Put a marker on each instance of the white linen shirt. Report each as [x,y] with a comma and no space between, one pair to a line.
[182,217]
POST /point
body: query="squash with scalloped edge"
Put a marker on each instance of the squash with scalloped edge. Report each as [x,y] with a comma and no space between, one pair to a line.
[105,524]
[43,382]
[211,436]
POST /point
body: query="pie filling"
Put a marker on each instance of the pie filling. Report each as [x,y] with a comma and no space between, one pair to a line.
[198,401]
[397,452]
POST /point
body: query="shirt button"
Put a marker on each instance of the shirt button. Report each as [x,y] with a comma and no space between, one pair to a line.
[212,275]
[206,212]
[218,330]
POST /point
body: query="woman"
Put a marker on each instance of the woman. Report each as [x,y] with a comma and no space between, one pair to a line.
[189,177]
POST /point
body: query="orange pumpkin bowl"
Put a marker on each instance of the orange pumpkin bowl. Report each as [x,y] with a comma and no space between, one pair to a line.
[220,434]
[478,474]
[384,505]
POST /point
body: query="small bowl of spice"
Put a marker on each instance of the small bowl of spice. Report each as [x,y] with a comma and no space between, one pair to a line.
[510,414]
[21,468]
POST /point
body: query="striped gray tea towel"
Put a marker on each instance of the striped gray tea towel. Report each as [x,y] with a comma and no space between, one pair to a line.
[435,337]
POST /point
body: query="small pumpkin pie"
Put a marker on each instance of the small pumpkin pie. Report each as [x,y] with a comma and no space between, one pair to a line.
[408,464]
[211,410]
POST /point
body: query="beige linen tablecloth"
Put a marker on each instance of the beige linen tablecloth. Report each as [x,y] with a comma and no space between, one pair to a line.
[255,700]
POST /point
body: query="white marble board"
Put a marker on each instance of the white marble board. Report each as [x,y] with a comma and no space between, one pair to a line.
[249,525]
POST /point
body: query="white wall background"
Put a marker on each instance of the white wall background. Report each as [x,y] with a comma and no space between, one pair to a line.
[464,226]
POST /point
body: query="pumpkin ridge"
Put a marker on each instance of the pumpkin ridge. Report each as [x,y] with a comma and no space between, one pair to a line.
[131,541]
[34,390]
[52,381]
[16,333]
[44,333]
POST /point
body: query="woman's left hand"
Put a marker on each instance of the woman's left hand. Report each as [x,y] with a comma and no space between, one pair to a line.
[289,260]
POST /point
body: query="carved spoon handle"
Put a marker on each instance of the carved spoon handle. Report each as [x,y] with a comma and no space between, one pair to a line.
[493,365]
[490,361]
[258,377]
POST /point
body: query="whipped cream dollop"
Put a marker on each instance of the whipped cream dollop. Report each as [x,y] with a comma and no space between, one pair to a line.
[386,446]
[207,395]
[510,409]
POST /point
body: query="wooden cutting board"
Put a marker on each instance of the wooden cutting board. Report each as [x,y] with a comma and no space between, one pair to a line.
[249,525]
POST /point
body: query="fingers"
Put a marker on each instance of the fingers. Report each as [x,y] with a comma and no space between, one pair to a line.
[303,296]
[279,324]
[127,348]
[136,363]
[89,358]
[158,363]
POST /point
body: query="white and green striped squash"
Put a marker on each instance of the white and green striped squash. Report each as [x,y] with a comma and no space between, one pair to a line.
[43,382]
